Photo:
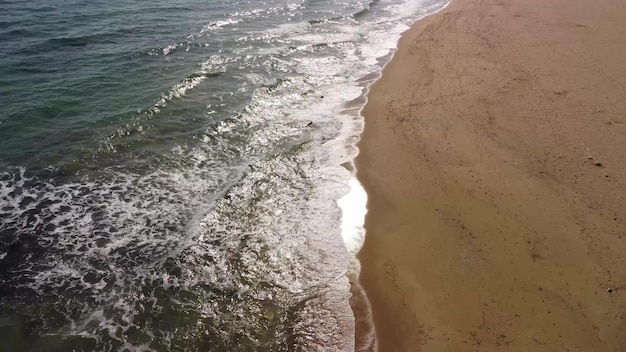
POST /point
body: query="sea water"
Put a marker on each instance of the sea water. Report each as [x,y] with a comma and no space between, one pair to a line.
[170,170]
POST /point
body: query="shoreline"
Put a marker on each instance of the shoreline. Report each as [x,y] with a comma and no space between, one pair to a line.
[493,168]
[354,210]
[353,203]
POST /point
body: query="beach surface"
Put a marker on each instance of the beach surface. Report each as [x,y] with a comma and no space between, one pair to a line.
[494,158]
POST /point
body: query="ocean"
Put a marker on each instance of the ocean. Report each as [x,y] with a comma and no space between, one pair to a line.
[170,171]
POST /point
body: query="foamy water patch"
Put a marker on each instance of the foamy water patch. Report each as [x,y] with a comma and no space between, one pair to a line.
[353,208]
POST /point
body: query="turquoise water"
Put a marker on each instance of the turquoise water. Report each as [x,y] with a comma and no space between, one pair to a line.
[169,171]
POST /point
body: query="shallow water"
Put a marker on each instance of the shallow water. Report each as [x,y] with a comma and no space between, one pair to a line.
[169,173]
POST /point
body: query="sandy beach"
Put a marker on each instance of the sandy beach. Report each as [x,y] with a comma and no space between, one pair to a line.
[494,157]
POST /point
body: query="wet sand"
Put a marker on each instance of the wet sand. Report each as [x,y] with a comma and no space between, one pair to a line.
[494,157]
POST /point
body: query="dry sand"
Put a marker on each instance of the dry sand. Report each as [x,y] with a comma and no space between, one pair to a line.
[490,226]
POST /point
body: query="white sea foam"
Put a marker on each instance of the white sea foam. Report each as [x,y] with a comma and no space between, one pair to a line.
[215,25]
[168,49]
[353,207]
